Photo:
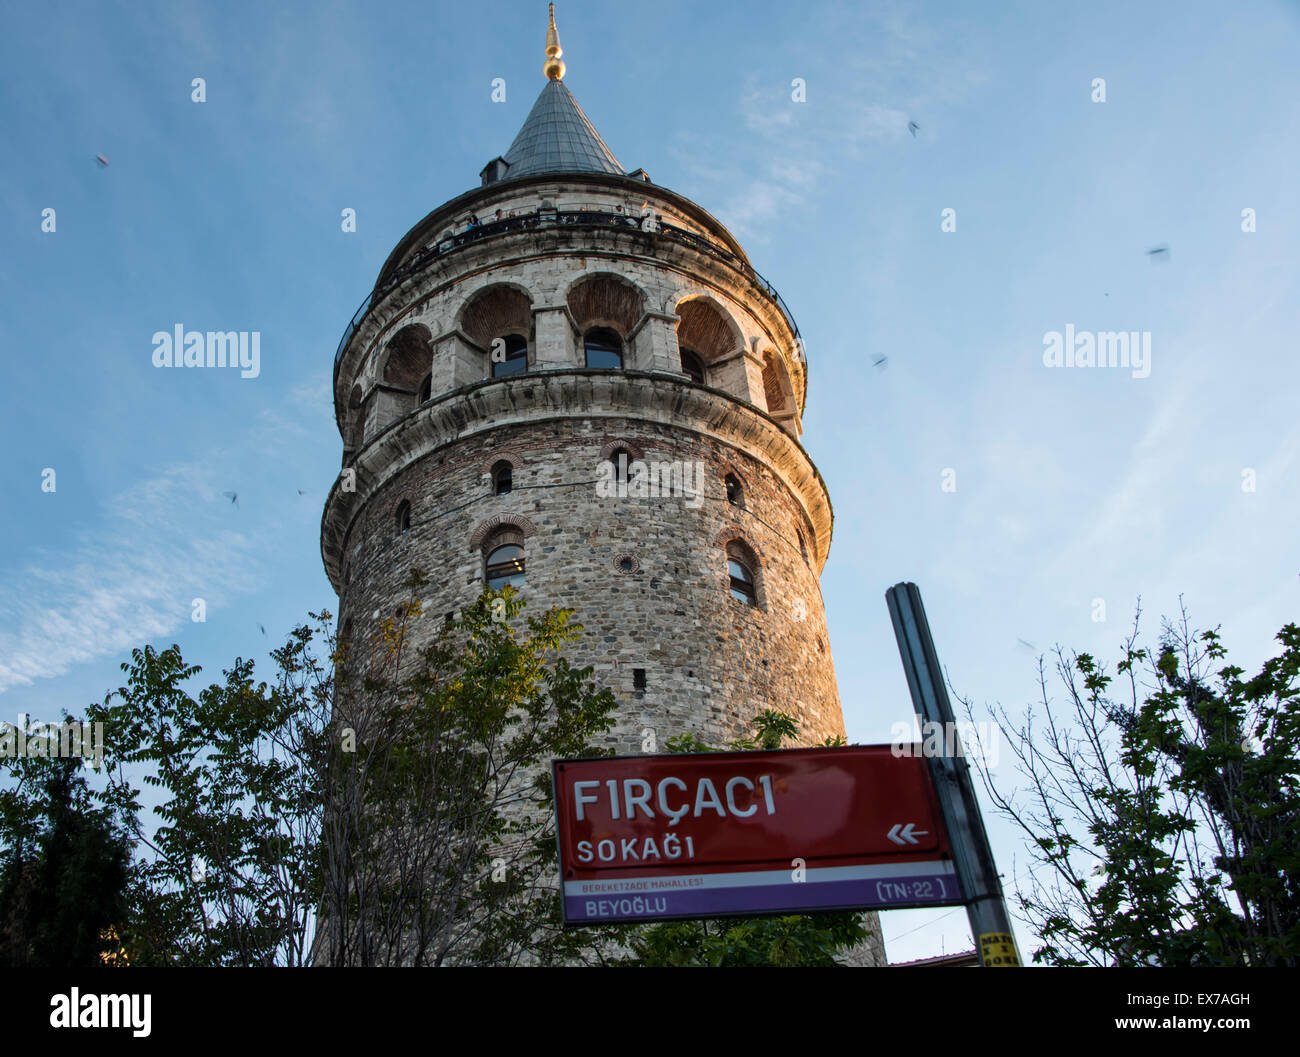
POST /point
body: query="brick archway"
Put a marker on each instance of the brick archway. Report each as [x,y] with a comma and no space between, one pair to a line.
[486,528]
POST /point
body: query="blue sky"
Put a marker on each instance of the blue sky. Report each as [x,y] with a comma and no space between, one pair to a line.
[1071,484]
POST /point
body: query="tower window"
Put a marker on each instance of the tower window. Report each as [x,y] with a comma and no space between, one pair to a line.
[516,357]
[408,357]
[504,565]
[604,348]
[502,478]
[638,678]
[742,582]
[693,366]
[773,390]
[426,389]
[404,516]
[742,573]
[735,491]
[621,458]
[803,547]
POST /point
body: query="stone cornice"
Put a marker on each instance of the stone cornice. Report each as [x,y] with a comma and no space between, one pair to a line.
[520,400]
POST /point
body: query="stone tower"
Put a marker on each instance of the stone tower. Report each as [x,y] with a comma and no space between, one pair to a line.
[573,380]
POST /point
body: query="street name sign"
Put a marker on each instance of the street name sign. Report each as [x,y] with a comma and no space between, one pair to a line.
[744,833]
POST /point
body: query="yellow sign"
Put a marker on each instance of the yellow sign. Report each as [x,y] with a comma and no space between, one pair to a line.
[998,948]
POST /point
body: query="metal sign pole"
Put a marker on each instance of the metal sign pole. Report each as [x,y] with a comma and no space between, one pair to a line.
[990,924]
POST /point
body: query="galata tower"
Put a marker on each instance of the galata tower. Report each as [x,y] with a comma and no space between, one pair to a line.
[572,380]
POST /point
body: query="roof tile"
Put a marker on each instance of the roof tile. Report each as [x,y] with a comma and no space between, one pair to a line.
[558,137]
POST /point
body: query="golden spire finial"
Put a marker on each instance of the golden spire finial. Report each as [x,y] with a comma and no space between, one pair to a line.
[554,65]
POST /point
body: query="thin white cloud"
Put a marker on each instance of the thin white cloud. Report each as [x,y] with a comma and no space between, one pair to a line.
[130,580]
[877,121]
[845,114]
[136,575]
[751,208]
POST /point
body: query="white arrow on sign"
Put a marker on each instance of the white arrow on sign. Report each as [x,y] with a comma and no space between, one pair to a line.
[901,834]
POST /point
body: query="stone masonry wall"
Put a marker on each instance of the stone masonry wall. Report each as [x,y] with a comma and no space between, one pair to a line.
[710,661]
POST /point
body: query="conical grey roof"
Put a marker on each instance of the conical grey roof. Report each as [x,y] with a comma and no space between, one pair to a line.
[558,137]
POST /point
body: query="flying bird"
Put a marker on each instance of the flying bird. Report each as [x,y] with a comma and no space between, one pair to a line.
[1029,644]
[1155,252]
[880,362]
[301,492]
[103,162]
[912,126]
[232,496]
[261,629]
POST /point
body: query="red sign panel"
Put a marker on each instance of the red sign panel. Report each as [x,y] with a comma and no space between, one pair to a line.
[724,833]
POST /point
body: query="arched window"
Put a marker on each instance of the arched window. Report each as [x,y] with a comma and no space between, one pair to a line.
[504,565]
[408,356]
[604,348]
[404,516]
[803,547]
[622,459]
[516,357]
[426,389]
[502,477]
[773,389]
[735,491]
[709,332]
[741,565]
[693,366]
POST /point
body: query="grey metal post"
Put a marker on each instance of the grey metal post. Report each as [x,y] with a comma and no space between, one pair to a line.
[973,858]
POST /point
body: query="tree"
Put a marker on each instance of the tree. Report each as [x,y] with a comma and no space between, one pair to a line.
[786,940]
[440,829]
[228,874]
[1165,825]
[401,806]
[63,870]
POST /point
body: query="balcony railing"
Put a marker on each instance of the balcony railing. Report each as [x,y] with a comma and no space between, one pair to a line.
[542,220]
